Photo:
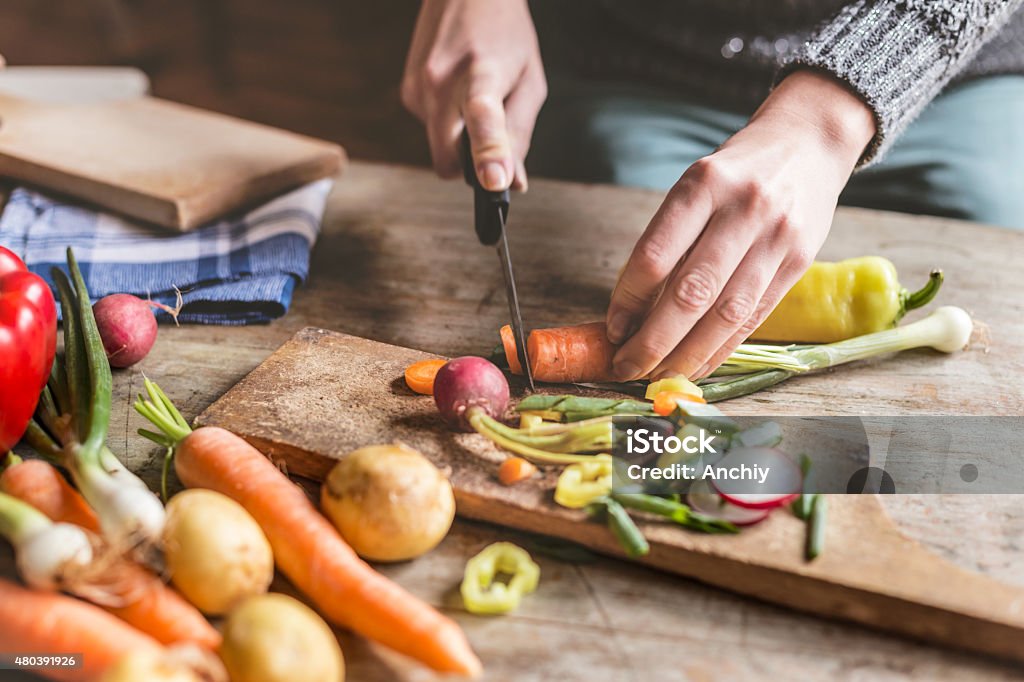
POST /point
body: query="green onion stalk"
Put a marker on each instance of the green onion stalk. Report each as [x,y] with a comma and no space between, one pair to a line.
[71,422]
[565,447]
[754,366]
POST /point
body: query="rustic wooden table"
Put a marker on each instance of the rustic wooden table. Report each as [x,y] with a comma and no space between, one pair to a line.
[397,262]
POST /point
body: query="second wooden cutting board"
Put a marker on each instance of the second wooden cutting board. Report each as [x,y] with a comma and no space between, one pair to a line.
[154,160]
[323,394]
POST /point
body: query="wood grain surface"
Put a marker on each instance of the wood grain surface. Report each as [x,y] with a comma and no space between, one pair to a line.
[155,160]
[397,262]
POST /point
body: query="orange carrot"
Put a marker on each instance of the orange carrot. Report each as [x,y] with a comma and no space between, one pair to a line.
[419,376]
[36,622]
[310,552]
[515,469]
[41,485]
[564,354]
[150,605]
[665,403]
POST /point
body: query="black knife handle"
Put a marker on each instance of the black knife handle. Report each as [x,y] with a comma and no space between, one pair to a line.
[485,217]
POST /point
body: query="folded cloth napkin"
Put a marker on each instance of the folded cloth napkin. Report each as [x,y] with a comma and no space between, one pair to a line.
[240,270]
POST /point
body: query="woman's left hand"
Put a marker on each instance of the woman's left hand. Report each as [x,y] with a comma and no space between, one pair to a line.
[737,230]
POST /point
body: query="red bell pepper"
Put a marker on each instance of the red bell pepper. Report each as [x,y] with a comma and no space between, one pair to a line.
[28,342]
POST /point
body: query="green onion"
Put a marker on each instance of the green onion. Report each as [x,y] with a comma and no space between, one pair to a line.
[754,367]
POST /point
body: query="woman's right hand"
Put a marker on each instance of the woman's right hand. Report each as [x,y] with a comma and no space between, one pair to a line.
[476,63]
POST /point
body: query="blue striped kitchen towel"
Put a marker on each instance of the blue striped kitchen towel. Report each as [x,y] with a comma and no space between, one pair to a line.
[240,270]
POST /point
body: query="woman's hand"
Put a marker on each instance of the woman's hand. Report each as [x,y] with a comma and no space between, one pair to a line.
[737,230]
[478,62]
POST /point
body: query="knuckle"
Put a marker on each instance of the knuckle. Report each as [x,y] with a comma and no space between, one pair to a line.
[480,105]
[433,75]
[800,258]
[650,261]
[696,289]
[705,169]
[756,194]
[735,309]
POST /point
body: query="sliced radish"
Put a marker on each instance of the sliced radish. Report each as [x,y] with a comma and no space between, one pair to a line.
[704,499]
[781,485]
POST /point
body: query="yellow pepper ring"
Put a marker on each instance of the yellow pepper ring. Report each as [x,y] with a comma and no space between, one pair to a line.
[481,594]
[837,301]
[580,484]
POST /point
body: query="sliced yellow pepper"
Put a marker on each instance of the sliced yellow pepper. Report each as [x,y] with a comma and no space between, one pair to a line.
[581,483]
[676,384]
[482,595]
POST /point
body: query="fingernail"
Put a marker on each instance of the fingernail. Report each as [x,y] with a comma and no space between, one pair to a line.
[618,327]
[494,177]
[702,371]
[625,370]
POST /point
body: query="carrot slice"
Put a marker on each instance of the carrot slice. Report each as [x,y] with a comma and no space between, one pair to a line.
[515,469]
[419,376]
[665,403]
[508,341]
[574,354]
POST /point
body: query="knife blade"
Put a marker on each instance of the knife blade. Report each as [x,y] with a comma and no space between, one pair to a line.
[490,211]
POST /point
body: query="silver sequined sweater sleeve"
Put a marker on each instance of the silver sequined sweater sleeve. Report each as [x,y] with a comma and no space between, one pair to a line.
[898,54]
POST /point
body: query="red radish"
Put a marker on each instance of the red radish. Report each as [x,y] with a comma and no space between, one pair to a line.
[128,327]
[469,384]
[706,501]
[782,483]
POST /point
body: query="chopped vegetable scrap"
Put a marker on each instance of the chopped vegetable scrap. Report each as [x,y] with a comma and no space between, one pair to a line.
[419,376]
[667,402]
[514,470]
[676,384]
[581,483]
[482,593]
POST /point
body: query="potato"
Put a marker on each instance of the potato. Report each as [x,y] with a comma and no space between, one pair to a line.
[275,638]
[216,553]
[389,502]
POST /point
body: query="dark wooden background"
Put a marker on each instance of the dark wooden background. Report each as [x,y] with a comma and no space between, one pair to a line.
[328,68]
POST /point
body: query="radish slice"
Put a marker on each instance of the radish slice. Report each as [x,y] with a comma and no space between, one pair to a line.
[782,483]
[706,501]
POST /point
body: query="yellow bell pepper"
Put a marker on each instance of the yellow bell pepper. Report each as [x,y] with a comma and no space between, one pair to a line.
[837,301]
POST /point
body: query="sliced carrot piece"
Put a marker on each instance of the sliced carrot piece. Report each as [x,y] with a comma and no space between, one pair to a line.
[665,403]
[515,469]
[419,376]
[564,354]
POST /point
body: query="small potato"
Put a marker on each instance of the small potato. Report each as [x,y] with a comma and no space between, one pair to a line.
[275,638]
[389,502]
[216,553]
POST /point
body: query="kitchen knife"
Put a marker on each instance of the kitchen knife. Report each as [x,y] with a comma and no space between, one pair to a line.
[490,211]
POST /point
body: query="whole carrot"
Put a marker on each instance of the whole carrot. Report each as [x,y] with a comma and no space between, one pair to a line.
[306,546]
[149,604]
[50,623]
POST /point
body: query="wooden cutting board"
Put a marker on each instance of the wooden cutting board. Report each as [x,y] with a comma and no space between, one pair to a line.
[158,161]
[323,394]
